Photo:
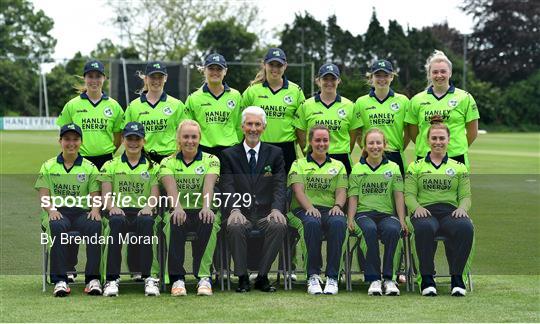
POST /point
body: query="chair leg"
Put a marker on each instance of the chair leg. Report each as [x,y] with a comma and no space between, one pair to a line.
[407,264]
[45,263]
[284,262]
[469,276]
[228,264]
[347,267]
[221,264]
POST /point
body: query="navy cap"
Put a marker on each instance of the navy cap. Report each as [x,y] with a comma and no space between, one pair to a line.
[155,67]
[382,65]
[94,65]
[71,127]
[215,59]
[329,68]
[133,128]
[275,54]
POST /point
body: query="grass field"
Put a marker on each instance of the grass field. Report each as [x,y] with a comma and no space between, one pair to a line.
[506,210]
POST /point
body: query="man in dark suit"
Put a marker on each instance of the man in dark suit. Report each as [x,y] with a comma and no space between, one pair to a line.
[257,169]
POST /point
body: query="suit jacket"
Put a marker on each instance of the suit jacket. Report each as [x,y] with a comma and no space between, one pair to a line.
[266,186]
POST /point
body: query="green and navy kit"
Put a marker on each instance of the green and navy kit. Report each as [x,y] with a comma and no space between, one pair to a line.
[78,181]
[387,115]
[427,184]
[98,121]
[189,177]
[320,181]
[160,121]
[457,107]
[375,187]
[280,107]
[127,180]
[220,117]
[338,116]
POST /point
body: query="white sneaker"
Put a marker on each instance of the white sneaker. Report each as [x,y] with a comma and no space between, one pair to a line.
[429,291]
[459,292]
[293,276]
[111,288]
[61,289]
[93,287]
[390,288]
[204,287]
[314,285]
[71,277]
[252,277]
[375,288]
[331,287]
[137,277]
[151,287]
[178,288]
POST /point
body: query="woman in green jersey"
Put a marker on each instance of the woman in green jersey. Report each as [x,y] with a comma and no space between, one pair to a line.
[279,98]
[189,177]
[332,110]
[375,198]
[157,111]
[385,109]
[98,115]
[129,188]
[319,185]
[438,196]
[457,108]
[216,107]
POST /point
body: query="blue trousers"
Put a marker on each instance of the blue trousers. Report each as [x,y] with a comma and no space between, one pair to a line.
[374,225]
[74,220]
[335,229]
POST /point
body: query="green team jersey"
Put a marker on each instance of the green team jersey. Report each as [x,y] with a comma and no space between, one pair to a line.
[79,181]
[338,117]
[189,177]
[320,181]
[160,121]
[280,108]
[220,117]
[427,184]
[387,115]
[130,181]
[375,186]
[98,121]
[457,107]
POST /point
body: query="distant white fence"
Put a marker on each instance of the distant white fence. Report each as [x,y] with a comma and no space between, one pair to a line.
[28,123]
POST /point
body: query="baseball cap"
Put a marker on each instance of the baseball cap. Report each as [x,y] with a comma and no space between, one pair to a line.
[133,128]
[215,59]
[71,127]
[329,68]
[275,54]
[382,65]
[94,65]
[155,67]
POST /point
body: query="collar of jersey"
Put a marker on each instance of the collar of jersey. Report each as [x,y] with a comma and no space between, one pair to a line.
[162,98]
[318,99]
[451,89]
[310,159]
[444,160]
[198,157]
[78,161]
[364,161]
[104,96]
[207,90]
[285,85]
[372,94]
[124,158]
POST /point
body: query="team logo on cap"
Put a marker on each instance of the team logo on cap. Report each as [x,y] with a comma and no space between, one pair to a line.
[95,65]
[108,112]
[381,64]
[388,174]
[157,65]
[231,104]
[452,103]
[167,111]
[71,126]
[332,171]
[145,175]
[135,127]
[288,100]
[81,177]
[394,106]
[341,113]
[215,58]
[450,172]
[199,170]
[276,53]
[330,68]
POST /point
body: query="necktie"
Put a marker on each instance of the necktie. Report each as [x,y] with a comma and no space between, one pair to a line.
[252,162]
